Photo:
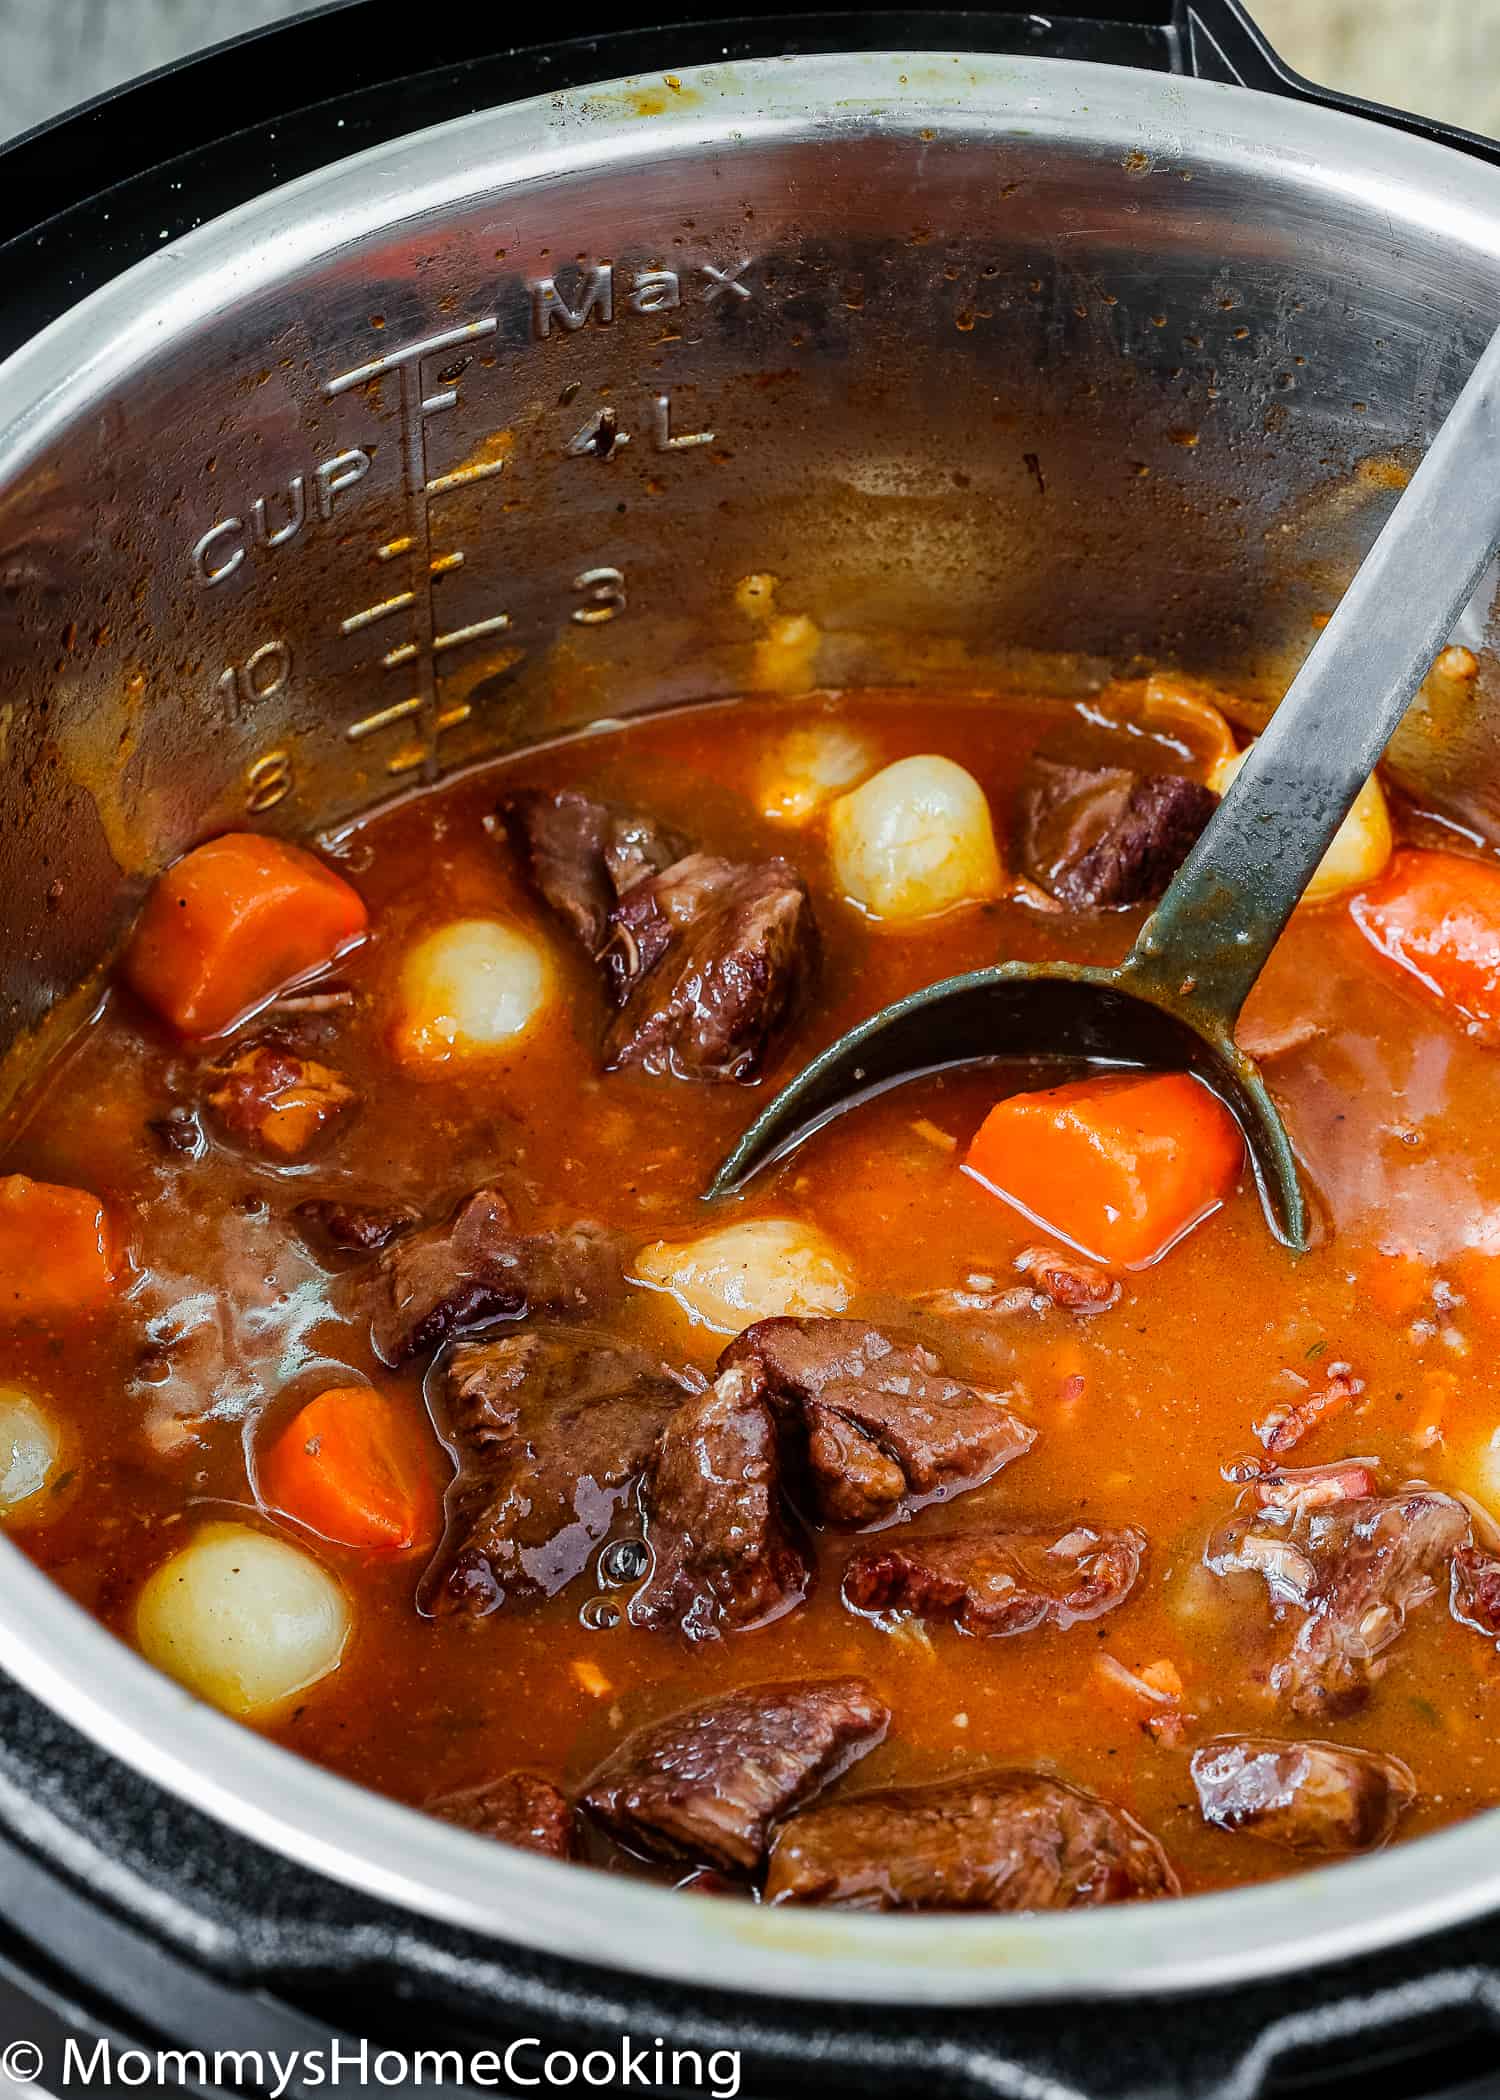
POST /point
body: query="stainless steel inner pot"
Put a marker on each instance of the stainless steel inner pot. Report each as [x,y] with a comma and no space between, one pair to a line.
[984,369]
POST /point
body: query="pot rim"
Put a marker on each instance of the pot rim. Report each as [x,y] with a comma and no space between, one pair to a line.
[93,1681]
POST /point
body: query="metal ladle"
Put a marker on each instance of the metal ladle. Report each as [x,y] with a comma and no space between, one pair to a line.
[1173,1002]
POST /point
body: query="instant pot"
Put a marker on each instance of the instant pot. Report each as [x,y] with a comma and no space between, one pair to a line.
[381,397]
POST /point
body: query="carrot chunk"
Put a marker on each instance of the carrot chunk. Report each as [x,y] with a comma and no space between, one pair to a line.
[1121,1167]
[234,922]
[1396,1282]
[356,1468]
[1436,916]
[55,1250]
[1476,1274]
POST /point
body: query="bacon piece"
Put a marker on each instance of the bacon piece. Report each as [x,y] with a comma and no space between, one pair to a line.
[1291,1420]
[1069,1281]
[1306,1488]
[277,1102]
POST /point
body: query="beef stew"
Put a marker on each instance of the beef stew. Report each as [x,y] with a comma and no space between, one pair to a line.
[368,1358]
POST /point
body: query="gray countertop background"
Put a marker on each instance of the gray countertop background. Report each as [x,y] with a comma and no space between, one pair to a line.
[54,53]
[1440,57]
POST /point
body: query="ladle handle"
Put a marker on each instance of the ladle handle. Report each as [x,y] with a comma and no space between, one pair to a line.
[1208,940]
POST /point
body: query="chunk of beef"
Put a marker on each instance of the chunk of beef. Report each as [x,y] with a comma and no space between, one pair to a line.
[724,1559]
[855,1482]
[887,1429]
[644,925]
[518,1809]
[583,855]
[708,1784]
[357,1228]
[1307,1797]
[1107,836]
[998,1841]
[1069,1281]
[551,1427]
[704,956]
[1475,1590]
[707,960]
[1000,1582]
[1346,1572]
[276,1102]
[479,1267]
[216,1313]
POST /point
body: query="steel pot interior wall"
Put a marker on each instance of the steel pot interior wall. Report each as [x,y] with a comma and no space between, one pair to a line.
[945,370]
[477,442]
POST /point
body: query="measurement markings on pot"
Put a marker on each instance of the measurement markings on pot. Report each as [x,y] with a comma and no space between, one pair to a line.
[599,437]
[650,291]
[222,550]
[218,553]
[425,640]
[597,295]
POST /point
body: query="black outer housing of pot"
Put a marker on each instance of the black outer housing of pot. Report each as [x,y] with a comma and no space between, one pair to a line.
[125,1913]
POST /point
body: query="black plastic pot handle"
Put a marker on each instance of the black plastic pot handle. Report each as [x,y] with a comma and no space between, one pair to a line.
[1218,41]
